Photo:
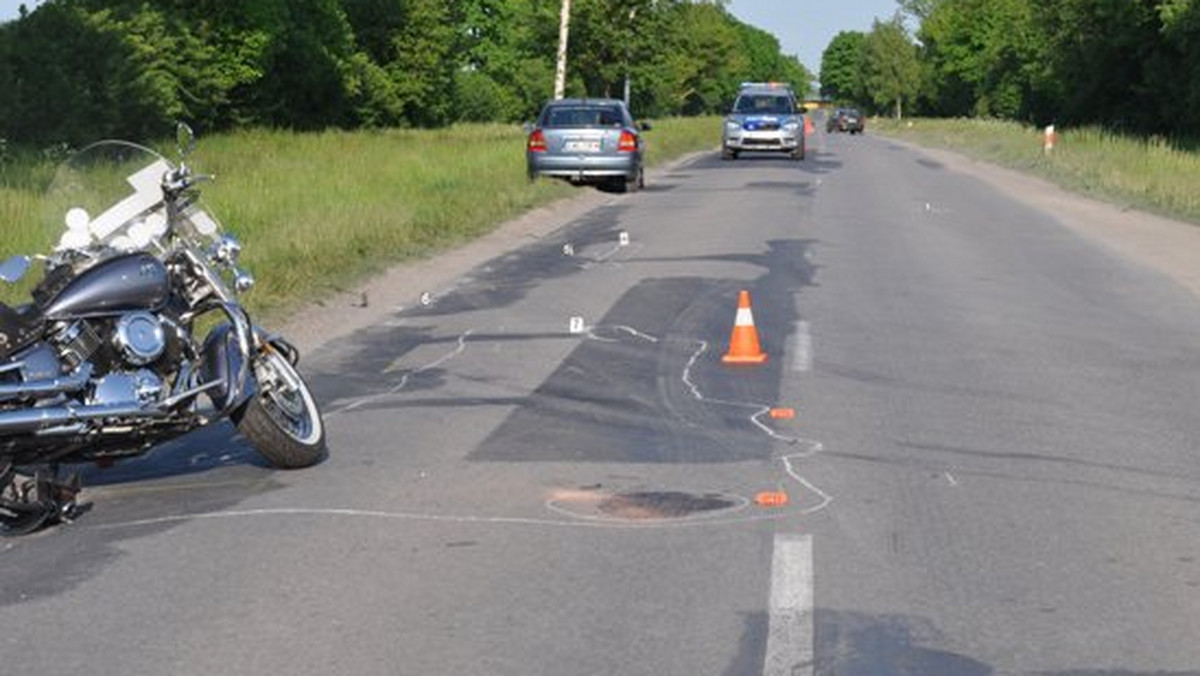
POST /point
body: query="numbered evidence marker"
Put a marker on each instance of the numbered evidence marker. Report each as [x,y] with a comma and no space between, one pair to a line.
[426,299]
[623,238]
[568,250]
[576,325]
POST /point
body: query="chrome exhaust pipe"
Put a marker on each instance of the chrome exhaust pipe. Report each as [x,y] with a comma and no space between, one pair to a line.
[48,387]
[32,420]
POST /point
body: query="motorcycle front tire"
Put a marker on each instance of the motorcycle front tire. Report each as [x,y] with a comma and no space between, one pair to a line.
[282,420]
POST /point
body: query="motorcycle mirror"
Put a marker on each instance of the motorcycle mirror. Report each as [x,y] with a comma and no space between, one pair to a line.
[185,139]
[13,269]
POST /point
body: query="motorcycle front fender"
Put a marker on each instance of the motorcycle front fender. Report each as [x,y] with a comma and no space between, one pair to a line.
[227,358]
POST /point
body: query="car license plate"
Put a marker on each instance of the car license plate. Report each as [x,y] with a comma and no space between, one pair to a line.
[582,146]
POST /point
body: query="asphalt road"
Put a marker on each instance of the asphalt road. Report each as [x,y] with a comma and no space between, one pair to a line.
[547,470]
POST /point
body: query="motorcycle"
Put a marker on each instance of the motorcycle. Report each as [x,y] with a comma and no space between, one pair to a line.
[134,336]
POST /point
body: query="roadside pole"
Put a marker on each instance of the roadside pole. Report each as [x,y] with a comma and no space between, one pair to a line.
[628,51]
[560,72]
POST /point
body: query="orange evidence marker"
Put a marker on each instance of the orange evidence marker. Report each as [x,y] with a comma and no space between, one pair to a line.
[771,499]
[743,343]
[783,413]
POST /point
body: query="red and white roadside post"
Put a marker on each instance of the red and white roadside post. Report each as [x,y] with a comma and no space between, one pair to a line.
[1049,138]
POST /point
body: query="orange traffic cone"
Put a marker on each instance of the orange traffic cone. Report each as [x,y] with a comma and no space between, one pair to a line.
[743,344]
[808,126]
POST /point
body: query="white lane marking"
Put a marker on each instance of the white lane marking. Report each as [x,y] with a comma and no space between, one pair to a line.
[802,361]
[790,627]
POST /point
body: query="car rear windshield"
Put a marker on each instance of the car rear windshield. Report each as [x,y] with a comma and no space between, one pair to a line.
[583,116]
[764,104]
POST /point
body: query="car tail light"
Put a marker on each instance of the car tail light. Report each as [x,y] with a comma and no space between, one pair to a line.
[628,142]
[537,142]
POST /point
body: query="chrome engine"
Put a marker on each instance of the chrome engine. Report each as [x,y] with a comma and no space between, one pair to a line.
[138,339]
[142,387]
[80,378]
[76,342]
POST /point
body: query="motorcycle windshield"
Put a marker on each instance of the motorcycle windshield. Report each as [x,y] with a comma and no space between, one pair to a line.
[107,199]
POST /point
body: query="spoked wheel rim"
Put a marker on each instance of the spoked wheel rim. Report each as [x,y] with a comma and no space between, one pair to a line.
[286,398]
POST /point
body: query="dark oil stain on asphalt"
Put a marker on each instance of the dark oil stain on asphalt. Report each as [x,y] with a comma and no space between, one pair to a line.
[657,505]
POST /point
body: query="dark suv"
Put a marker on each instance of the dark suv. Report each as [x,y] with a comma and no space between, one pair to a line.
[845,119]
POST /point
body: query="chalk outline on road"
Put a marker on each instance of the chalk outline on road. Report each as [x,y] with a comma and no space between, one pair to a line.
[813,447]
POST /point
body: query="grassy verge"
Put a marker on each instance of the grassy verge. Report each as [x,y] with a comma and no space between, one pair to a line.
[317,212]
[1150,174]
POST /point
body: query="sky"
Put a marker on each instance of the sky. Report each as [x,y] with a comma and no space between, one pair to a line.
[8,8]
[804,27]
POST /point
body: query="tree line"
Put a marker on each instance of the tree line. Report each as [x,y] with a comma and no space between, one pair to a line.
[1129,64]
[75,70]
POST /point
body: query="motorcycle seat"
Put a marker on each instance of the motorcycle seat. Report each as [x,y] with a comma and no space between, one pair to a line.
[19,327]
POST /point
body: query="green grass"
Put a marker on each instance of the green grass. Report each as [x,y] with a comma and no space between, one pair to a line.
[1146,173]
[317,212]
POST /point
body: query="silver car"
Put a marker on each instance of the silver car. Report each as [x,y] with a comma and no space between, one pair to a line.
[588,141]
[765,117]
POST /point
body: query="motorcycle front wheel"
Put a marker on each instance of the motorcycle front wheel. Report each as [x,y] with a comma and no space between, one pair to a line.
[282,420]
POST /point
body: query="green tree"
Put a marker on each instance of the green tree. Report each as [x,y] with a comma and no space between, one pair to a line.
[72,75]
[1173,76]
[891,71]
[842,68]
[1099,51]
[766,62]
[77,69]
[507,50]
[919,9]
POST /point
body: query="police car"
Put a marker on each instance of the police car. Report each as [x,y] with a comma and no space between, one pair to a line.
[765,117]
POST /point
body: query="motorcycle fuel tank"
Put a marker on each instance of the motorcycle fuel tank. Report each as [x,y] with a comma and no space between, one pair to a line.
[131,282]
